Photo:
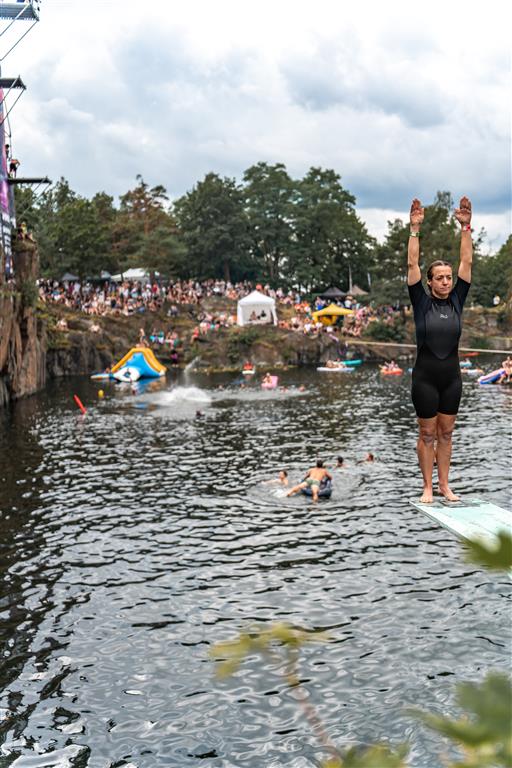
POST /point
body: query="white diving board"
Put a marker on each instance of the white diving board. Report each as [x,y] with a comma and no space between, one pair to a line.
[25,11]
[469,519]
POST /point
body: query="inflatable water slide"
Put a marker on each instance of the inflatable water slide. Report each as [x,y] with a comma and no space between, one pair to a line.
[138,363]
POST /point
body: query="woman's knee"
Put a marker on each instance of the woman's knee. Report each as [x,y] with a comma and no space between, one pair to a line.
[428,434]
[444,434]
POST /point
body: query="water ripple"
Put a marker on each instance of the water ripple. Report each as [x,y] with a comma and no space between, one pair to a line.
[135,538]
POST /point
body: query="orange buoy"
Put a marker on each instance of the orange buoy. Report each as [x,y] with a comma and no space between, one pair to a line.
[79,403]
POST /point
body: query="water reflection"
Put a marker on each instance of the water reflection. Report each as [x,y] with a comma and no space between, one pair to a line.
[136,537]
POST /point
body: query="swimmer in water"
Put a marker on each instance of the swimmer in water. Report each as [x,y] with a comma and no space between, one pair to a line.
[436,377]
[282,478]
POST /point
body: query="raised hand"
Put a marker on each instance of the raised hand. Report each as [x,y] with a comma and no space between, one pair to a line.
[417,213]
[463,213]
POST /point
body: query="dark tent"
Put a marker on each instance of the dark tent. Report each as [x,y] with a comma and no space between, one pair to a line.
[332,294]
[357,291]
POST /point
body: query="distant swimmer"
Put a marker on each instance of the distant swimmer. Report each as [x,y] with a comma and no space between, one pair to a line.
[282,479]
[340,463]
[506,376]
[312,480]
[369,458]
[436,377]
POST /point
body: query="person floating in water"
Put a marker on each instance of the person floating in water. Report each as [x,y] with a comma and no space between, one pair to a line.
[312,480]
[436,377]
[340,463]
[282,478]
[391,366]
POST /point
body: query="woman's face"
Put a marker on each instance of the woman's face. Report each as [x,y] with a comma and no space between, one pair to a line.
[441,282]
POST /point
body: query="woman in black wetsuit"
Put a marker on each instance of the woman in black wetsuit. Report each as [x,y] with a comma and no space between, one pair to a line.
[436,378]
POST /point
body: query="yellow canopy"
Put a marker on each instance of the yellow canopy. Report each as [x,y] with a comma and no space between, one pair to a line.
[329,315]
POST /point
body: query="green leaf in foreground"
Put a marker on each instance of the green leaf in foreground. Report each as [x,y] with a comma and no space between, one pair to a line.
[377,756]
[496,557]
[484,733]
[260,640]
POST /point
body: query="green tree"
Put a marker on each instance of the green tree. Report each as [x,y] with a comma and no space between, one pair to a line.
[269,195]
[332,246]
[214,227]
[69,232]
[105,213]
[493,276]
[145,233]
[26,207]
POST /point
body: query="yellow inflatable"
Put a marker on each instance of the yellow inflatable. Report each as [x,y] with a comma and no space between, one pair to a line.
[330,314]
[144,360]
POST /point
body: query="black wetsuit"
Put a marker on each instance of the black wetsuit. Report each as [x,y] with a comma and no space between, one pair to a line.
[436,379]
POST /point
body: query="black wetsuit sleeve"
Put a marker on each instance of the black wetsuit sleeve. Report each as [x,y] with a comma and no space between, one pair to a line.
[459,293]
[417,296]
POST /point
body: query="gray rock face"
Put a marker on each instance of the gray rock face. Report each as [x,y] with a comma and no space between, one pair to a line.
[22,337]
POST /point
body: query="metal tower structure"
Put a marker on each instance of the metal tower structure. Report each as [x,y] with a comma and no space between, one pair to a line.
[11,34]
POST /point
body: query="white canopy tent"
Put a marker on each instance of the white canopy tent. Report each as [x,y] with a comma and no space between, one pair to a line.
[140,274]
[256,309]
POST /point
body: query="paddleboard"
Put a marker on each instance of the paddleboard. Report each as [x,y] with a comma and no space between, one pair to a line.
[470,518]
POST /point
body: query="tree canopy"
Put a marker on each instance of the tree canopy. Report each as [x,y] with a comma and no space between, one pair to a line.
[303,233]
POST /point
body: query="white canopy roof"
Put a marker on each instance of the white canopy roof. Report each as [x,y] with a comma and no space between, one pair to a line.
[256,308]
[141,274]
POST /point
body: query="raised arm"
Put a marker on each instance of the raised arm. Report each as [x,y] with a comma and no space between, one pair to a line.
[413,249]
[463,216]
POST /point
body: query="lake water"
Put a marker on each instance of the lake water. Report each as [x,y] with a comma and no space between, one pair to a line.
[136,537]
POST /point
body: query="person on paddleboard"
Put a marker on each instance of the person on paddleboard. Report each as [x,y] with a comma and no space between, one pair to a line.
[436,377]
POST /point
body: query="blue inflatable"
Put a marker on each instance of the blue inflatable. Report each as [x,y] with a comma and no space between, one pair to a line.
[324,492]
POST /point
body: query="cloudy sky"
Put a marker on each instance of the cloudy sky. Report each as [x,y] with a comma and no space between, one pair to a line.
[401,99]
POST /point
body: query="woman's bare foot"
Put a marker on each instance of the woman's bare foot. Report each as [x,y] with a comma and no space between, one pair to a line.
[427,497]
[448,494]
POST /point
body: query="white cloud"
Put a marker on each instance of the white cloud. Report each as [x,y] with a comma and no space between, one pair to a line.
[497,226]
[400,100]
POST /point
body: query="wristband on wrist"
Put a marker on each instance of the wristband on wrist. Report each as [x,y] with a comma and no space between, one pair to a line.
[414,234]
[466,228]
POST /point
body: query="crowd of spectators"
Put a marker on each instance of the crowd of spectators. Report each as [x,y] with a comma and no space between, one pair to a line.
[129,297]
[135,297]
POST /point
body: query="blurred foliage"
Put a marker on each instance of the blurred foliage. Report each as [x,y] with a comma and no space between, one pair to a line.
[261,640]
[496,557]
[484,730]
[377,756]
[482,733]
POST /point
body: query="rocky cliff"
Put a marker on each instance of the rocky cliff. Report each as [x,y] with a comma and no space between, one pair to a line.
[22,334]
